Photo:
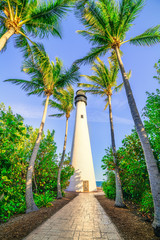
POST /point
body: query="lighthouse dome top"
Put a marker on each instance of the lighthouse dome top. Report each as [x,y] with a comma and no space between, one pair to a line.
[80,96]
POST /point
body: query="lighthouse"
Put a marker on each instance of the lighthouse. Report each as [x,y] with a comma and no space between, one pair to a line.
[83,179]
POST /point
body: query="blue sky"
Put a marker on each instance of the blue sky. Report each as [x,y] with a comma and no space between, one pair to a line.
[73,46]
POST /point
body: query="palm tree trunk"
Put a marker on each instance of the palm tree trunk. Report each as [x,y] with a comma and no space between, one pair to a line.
[5,37]
[30,204]
[154,174]
[119,194]
[34,179]
[59,192]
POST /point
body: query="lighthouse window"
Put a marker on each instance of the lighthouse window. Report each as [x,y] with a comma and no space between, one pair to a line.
[81,116]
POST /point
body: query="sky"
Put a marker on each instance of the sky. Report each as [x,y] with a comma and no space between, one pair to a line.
[72,46]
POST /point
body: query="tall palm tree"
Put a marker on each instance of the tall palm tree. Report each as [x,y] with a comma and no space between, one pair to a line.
[46,76]
[65,104]
[103,84]
[24,18]
[106,23]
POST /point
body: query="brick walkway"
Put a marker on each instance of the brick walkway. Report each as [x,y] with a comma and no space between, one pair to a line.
[82,218]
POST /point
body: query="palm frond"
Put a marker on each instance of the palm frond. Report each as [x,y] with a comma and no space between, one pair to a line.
[25,84]
[39,92]
[45,10]
[110,10]
[107,103]
[94,53]
[57,115]
[42,29]
[118,88]
[56,105]
[69,76]
[128,11]
[113,57]
[129,74]
[85,85]
[40,56]
[42,19]
[79,5]
[94,91]
[64,100]
[2,4]
[94,79]
[22,43]
[150,37]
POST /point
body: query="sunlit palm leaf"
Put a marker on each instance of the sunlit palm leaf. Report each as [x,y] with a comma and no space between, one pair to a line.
[106,23]
[57,115]
[33,18]
[104,80]
[46,76]
[64,101]
[150,37]
[94,53]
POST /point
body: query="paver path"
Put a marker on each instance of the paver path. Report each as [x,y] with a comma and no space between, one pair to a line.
[82,218]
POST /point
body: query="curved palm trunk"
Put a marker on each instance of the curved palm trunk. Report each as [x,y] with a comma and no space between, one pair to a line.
[154,174]
[119,194]
[59,193]
[5,37]
[30,204]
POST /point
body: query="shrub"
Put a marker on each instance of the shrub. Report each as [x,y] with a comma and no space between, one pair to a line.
[44,200]
[147,202]
[109,186]
[16,145]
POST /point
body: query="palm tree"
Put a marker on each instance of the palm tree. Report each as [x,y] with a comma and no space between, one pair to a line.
[65,104]
[103,84]
[106,23]
[46,76]
[24,18]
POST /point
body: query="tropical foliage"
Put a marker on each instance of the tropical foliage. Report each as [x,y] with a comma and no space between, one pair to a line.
[151,114]
[106,25]
[133,173]
[16,145]
[157,67]
[46,77]
[25,18]
[64,103]
[131,161]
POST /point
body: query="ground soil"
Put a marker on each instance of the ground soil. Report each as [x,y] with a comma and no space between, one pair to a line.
[20,226]
[130,224]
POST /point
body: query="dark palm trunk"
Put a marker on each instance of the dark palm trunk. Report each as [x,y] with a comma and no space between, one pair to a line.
[59,192]
[154,174]
[5,37]
[30,204]
[119,194]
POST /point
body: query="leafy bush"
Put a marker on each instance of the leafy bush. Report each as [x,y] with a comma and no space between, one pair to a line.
[16,145]
[45,199]
[109,186]
[131,161]
[147,202]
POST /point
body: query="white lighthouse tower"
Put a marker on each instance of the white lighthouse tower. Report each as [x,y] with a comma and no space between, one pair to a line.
[83,179]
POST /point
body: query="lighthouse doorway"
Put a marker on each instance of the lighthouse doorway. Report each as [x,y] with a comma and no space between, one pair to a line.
[85,186]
